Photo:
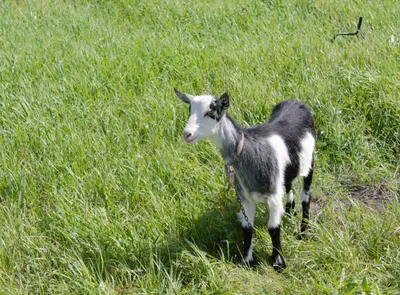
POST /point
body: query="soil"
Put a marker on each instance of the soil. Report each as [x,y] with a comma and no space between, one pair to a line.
[373,197]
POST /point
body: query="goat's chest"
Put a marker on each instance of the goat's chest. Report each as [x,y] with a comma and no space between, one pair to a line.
[249,193]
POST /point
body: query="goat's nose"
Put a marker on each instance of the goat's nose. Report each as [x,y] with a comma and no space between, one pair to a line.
[186,135]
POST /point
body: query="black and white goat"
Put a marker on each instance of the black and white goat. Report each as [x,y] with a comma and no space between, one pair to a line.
[266,159]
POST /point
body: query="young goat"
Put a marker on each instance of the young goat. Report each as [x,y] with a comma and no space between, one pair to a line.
[266,159]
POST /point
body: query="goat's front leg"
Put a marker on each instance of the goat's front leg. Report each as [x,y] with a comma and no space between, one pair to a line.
[274,228]
[249,209]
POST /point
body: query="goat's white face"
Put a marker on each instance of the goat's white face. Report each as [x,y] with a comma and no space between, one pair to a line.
[205,113]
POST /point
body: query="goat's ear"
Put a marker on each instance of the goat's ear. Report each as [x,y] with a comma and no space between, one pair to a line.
[224,99]
[184,97]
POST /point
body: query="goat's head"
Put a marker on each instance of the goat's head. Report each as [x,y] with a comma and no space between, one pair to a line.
[206,111]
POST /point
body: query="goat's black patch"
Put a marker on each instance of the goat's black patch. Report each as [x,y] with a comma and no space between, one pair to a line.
[224,100]
[211,112]
[222,105]
[212,106]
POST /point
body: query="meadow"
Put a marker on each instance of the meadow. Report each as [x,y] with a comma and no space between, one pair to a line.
[100,195]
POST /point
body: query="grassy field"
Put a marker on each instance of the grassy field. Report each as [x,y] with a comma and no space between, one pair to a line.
[100,195]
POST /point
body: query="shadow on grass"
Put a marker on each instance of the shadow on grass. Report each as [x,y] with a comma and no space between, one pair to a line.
[213,236]
[217,231]
[184,255]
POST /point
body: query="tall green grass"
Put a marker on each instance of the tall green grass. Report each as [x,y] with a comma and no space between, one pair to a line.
[98,193]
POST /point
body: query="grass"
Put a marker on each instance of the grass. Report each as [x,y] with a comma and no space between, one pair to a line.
[98,193]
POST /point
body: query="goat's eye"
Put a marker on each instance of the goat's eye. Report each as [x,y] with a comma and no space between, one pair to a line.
[210,114]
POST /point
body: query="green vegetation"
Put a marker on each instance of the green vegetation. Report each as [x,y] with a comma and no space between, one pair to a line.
[100,195]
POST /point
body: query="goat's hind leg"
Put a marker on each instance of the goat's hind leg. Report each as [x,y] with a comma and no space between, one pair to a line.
[290,202]
[305,201]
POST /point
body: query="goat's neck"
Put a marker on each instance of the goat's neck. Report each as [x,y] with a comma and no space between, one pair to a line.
[226,138]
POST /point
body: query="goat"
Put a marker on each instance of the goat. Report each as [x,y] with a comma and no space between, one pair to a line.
[266,158]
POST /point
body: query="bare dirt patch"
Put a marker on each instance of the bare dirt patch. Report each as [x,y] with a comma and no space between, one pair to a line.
[374,197]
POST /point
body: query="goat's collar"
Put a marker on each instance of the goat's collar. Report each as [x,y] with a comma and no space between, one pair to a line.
[240,144]
[229,171]
[239,149]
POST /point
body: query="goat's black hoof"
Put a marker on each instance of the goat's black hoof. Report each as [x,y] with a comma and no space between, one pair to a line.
[278,263]
[279,268]
[249,264]
[304,235]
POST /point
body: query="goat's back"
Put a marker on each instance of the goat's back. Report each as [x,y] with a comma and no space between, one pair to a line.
[292,118]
